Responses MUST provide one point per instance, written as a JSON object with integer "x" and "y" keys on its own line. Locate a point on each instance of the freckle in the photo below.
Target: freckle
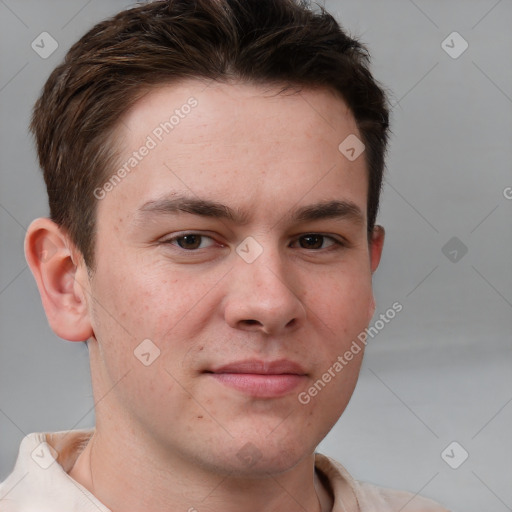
{"x": 201, "y": 348}
{"x": 200, "y": 417}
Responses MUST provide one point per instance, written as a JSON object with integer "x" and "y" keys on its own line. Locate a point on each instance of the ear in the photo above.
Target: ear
{"x": 376, "y": 245}
{"x": 61, "y": 277}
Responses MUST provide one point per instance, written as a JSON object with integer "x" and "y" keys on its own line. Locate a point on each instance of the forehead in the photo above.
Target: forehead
{"x": 237, "y": 108}
{"x": 242, "y": 143}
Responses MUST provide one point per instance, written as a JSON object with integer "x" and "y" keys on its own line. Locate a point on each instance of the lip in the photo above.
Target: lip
{"x": 256, "y": 366}
{"x": 262, "y": 379}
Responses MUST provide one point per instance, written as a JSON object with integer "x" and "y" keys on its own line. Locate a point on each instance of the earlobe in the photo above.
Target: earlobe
{"x": 376, "y": 245}
{"x": 61, "y": 280}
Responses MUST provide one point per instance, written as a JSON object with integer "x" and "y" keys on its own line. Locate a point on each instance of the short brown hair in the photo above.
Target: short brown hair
{"x": 257, "y": 41}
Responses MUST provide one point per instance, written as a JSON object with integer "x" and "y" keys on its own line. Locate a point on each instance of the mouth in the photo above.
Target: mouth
{"x": 261, "y": 379}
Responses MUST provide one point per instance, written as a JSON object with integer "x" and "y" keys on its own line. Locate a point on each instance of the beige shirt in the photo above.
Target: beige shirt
{"x": 40, "y": 482}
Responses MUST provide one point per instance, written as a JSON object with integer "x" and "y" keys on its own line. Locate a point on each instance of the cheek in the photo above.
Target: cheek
{"x": 343, "y": 303}
{"x": 342, "y": 308}
{"x": 169, "y": 308}
{"x": 137, "y": 300}
{"x": 128, "y": 312}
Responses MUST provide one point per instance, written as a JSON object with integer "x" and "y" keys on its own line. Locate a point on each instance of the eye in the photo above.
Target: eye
{"x": 189, "y": 241}
{"x": 316, "y": 240}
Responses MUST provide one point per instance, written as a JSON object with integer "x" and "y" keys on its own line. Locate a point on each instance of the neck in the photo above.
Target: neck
{"x": 125, "y": 474}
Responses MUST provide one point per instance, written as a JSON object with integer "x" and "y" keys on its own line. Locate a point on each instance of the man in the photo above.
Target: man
{"x": 213, "y": 171}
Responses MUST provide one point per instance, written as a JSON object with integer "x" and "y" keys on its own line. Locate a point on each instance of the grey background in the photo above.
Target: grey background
{"x": 441, "y": 370}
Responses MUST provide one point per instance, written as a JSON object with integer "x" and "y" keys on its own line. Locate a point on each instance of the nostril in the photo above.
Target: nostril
{"x": 251, "y": 322}
{"x": 291, "y": 322}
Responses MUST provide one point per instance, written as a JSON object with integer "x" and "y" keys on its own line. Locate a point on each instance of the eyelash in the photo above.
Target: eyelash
{"x": 336, "y": 245}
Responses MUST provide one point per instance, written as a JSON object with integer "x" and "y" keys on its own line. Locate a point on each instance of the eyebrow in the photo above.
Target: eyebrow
{"x": 331, "y": 209}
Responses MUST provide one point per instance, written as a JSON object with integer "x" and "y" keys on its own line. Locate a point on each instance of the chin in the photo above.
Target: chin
{"x": 283, "y": 462}
{"x": 261, "y": 457}
{"x": 256, "y": 458}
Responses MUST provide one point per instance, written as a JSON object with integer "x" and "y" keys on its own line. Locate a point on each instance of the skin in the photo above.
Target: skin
{"x": 169, "y": 433}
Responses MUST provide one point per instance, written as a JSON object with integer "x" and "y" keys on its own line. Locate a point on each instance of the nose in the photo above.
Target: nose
{"x": 264, "y": 296}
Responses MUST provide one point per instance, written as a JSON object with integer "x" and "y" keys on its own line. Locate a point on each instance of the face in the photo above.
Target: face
{"x": 237, "y": 244}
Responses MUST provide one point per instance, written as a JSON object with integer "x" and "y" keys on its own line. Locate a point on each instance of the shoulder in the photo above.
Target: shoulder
{"x": 396, "y": 500}
{"x": 39, "y": 481}
{"x": 368, "y": 497}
